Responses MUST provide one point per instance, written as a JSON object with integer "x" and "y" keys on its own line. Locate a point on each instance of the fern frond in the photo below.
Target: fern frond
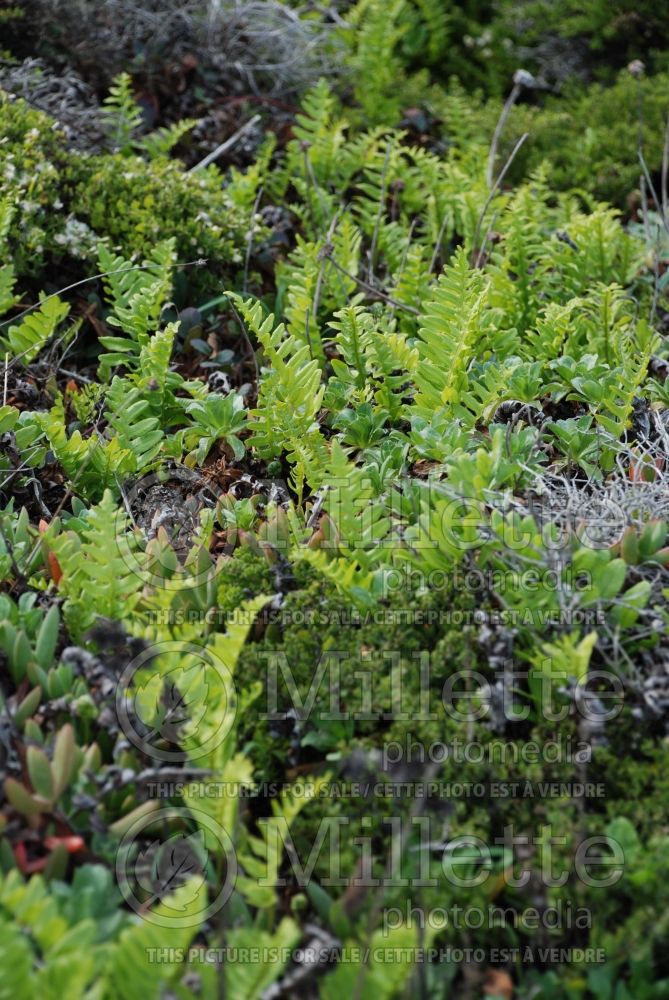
{"x": 449, "y": 328}
{"x": 92, "y": 464}
{"x": 26, "y": 340}
{"x": 122, "y": 113}
{"x": 7, "y": 273}
{"x": 101, "y": 567}
{"x": 344, "y": 573}
{"x": 160, "y": 143}
{"x": 137, "y": 298}
{"x": 129, "y": 416}
{"x": 261, "y": 855}
{"x": 173, "y": 923}
{"x": 290, "y": 393}
{"x": 317, "y": 128}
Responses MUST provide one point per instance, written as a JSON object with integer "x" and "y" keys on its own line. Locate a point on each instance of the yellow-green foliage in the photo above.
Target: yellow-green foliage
{"x": 69, "y": 201}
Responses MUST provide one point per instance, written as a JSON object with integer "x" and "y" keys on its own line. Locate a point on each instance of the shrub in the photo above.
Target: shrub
{"x": 71, "y": 201}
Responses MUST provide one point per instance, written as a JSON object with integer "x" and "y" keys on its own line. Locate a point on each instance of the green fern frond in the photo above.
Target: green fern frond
{"x": 290, "y": 393}
{"x": 122, "y": 113}
{"x": 449, "y": 329}
{"x": 160, "y": 143}
{"x": 137, "y": 298}
{"x": 101, "y": 567}
{"x": 129, "y": 416}
{"x": 91, "y": 464}
{"x": 261, "y": 855}
{"x": 26, "y": 340}
{"x": 173, "y": 923}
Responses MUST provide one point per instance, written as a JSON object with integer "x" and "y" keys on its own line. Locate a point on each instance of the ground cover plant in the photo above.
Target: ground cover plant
{"x": 334, "y": 501}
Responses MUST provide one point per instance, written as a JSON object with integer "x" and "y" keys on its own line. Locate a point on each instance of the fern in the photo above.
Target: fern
{"x": 26, "y": 340}
{"x": 131, "y": 972}
{"x": 489, "y": 386}
{"x": 290, "y": 392}
{"x": 160, "y": 143}
{"x": 521, "y": 262}
{"x": 7, "y": 282}
{"x": 137, "y": 298}
{"x": 376, "y": 362}
{"x": 136, "y": 430}
{"x": 432, "y": 35}
{"x": 606, "y": 253}
{"x": 243, "y": 185}
{"x": 552, "y": 329}
{"x": 156, "y": 381}
{"x": 91, "y": 464}
{"x": 411, "y": 285}
{"x": 122, "y": 114}
{"x": 260, "y": 855}
{"x": 376, "y": 31}
{"x": 301, "y": 276}
{"x": 7, "y": 273}
{"x": 358, "y": 520}
{"x": 449, "y": 328}
{"x": 374, "y": 978}
{"x": 358, "y": 584}
{"x": 101, "y": 567}
{"x": 16, "y": 957}
{"x": 252, "y": 979}
{"x": 354, "y": 331}
{"x": 41, "y": 954}
{"x": 615, "y": 408}
{"x": 45, "y": 954}
{"x": 318, "y": 134}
